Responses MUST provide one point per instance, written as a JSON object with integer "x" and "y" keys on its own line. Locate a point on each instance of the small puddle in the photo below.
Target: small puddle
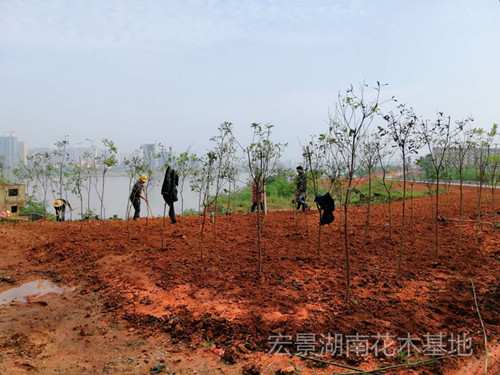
{"x": 32, "y": 289}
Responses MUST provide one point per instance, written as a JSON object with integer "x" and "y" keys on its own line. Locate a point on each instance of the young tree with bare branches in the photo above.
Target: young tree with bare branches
{"x": 62, "y": 156}
{"x": 206, "y": 175}
{"x": 493, "y": 176}
{"x": 185, "y": 165}
{"x": 354, "y": 114}
{"x": 263, "y": 155}
{"x": 437, "y": 135}
{"x": 76, "y": 180}
{"x": 314, "y": 159}
{"x": 385, "y": 154}
{"x": 369, "y": 161}
{"x": 223, "y": 150}
{"x": 401, "y": 126}
{"x": 461, "y": 146}
{"x": 484, "y": 140}
{"x": 107, "y": 159}
{"x": 43, "y": 170}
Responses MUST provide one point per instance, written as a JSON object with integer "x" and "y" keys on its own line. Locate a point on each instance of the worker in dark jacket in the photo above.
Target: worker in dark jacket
{"x": 326, "y": 206}
{"x": 60, "y": 208}
{"x": 136, "y": 195}
{"x": 300, "y": 189}
{"x": 169, "y": 191}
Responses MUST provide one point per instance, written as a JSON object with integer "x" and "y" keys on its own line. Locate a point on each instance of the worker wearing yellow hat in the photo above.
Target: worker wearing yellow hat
{"x": 136, "y": 195}
{"x": 60, "y": 208}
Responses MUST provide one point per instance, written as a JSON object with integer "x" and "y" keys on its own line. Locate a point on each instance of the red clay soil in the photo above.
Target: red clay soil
{"x": 220, "y": 301}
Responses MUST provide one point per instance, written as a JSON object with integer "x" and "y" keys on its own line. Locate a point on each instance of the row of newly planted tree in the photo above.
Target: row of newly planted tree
{"x": 53, "y": 173}
{"x": 367, "y": 136}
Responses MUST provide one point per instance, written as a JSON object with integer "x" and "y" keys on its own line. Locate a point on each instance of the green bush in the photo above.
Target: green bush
{"x": 35, "y": 208}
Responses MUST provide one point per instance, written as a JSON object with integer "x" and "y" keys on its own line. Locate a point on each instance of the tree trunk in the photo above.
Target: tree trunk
{"x": 163, "y": 226}
{"x": 478, "y": 214}
{"x": 403, "y": 219}
{"x": 205, "y": 207}
{"x": 81, "y": 203}
{"x": 89, "y": 187}
{"x": 346, "y": 247}
{"x": 228, "y": 208}
{"x": 493, "y": 187}
{"x": 182, "y": 196}
{"x": 390, "y": 216}
{"x": 461, "y": 193}
{"x": 412, "y": 207}
{"x": 202, "y": 231}
{"x": 259, "y": 242}
{"x": 436, "y": 218}
{"x": 319, "y": 239}
{"x": 368, "y": 207}
{"x": 102, "y": 195}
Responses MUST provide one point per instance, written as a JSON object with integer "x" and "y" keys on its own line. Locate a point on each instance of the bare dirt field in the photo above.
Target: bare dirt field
{"x": 130, "y": 306}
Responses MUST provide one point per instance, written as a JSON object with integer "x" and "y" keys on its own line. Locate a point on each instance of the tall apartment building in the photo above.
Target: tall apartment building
{"x": 12, "y": 152}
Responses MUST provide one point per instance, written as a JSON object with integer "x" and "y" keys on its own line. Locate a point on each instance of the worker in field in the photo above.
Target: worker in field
{"x": 301, "y": 189}
{"x": 136, "y": 195}
{"x": 60, "y": 208}
{"x": 326, "y": 206}
{"x": 169, "y": 191}
{"x": 257, "y": 195}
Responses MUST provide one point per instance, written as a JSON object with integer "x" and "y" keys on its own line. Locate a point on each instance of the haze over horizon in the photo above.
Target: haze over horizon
{"x": 171, "y": 72}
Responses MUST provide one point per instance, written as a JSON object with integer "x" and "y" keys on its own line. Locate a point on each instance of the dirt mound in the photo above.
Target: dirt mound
{"x": 210, "y": 292}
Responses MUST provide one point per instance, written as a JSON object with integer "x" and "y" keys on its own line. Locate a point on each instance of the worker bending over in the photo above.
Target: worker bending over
{"x": 60, "y": 208}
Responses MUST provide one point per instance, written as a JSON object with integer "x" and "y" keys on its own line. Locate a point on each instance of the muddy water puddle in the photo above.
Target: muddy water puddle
{"x": 32, "y": 289}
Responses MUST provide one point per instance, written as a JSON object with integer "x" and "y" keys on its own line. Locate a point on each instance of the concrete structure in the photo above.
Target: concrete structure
{"x": 12, "y": 198}
{"x": 12, "y": 152}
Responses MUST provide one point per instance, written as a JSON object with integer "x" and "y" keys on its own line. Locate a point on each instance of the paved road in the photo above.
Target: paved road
{"x": 446, "y": 182}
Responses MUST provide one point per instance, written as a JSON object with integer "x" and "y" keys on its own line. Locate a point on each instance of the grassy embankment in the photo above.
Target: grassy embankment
{"x": 280, "y": 193}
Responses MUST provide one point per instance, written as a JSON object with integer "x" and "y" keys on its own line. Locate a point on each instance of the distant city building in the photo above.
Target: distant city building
{"x": 12, "y": 152}
{"x": 151, "y": 155}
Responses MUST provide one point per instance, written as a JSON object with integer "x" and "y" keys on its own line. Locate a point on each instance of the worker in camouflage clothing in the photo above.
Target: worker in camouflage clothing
{"x": 300, "y": 189}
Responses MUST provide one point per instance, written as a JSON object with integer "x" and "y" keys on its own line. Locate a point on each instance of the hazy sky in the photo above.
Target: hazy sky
{"x": 171, "y": 71}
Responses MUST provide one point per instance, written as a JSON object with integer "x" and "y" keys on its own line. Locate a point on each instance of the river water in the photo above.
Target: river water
{"x": 116, "y": 193}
